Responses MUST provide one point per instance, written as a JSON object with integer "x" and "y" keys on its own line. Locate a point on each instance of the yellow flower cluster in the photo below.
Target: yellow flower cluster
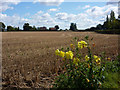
{"x": 82, "y": 44}
{"x": 87, "y": 58}
{"x": 62, "y": 54}
{"x": 97, "y": 59}
{"x": 68, "y": 55}
{"x": 76, "y": 61}
{"x": 57, "y": 52}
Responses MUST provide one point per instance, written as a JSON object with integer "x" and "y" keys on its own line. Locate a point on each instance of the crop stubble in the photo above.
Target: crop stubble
{"x": 28, "y": 58}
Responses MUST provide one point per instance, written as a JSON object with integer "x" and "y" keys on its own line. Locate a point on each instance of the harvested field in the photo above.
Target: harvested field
{"x": 28, "y": 58}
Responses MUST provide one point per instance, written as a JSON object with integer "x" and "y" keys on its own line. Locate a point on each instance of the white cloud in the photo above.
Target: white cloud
{"x": 96, "y": 11}
{"x": 61, "y": 16}
{"x": 4, "y": 5}
{"x": 53, "y": 10}
{"x": 82, "y": 20}
{"x": 14, "y": 20}
{"x": 39, "y": 12}
{"x": 10, "y": 1}
{"x": 91, "y": 17}
{"x": 86, "y": 6}
{"x": 43, "y": 19}
{"x": 50, "y": 2}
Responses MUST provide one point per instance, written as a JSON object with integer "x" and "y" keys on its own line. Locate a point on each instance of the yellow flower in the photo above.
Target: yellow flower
{"x": 57, "y": 52}
{"x": 69, "y": 55}
{"x": 97, "y": 59}
{"x": 88, "y": 80}
{"x": 98, "y": 63}
{"x": 62, "y": 54}
{"x": 76, "y": 61}
{"x": 108, "y": 59}
{"x": 82, "y": 44}
{"x": 87, "y": 58}
{"x": 71, "y": 45}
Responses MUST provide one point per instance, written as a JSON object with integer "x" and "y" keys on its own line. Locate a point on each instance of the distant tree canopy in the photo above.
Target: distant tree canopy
{"x": 26, "y": 27}
{"x": 57, "y": 27}
{"x": 2, "y": 26}
{"x": 73, "y": 27}
{"x": 110, "y": 23}
{"x": 10, "y": 28}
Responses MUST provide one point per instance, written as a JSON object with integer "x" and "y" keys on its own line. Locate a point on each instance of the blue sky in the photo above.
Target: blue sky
{"x": 32, "y": 8}
{"x": 84, "y": 14}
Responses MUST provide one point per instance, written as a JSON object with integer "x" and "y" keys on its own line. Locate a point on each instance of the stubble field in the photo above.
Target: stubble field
{"x": 28, "y": 58}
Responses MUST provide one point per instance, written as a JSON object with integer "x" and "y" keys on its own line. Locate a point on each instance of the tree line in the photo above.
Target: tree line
{"x": 110, "y": 25}
{"x": 28, "y": 27}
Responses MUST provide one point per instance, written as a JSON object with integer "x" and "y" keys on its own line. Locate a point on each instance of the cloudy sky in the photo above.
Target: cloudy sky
{"x": 85, "y": 13}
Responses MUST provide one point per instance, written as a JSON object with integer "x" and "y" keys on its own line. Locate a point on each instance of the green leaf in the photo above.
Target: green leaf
{"x": 86, "y": 37}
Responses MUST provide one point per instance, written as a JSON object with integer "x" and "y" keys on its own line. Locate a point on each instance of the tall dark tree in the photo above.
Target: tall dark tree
{"x": 107, "y": 23}
{"x": 34, "y": 28}
{"x": 26, "y": 27}
{"x": 112, "y": 16}
{"x": 119, "y": 17}
{"x": 10, "y": 28}
{"x": 18, "y": 28}
{"x": 73, "y": 27}
{"x": 2, "y": 26}
{"x": 57, "y": 27}
{"x": 112, "y": 20}
{"x": 99, "y": 27}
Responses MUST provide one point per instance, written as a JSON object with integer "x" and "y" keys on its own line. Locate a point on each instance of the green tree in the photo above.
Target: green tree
{"x": 57, "y": 27}
{"x": 2, "y": 26}
{"x": 99, "y": 27}
{"x": 26, "y": 27}
{"x": 73, "y": 27}
{"x": 112, "y": 20}
{"x": 112, "y": 16}
{"x": 18, "y": 28}
{"x": 34, "y": 28}
{"x": 10, "y": 28}
{"x": 107, "y": 23}
{"x": 118, "y": 16}
{"x": 111, "y": 23}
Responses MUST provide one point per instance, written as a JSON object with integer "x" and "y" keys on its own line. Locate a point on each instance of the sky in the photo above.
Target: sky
{"x": 85, "y": 13}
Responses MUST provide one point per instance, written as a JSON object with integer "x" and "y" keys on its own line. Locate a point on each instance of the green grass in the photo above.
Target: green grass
{"x": 112, "y": 80}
